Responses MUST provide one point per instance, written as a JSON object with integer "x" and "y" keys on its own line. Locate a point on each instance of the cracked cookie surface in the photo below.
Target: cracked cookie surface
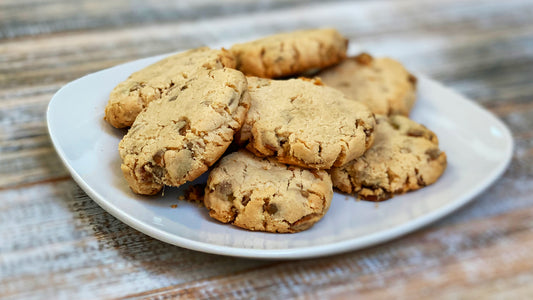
{"x": 290, "y": 53}
{"x": 303, "y": 123}
{"x": 131, "y": 96}
{"x": 383, "y": 84}
{"x": 262, "y": 194}
{"x": 176, "y": 138}
{"x": 405, "y": 156}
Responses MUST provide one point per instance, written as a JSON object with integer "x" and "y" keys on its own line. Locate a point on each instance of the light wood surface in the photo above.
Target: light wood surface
{"x": 55, "y": 242}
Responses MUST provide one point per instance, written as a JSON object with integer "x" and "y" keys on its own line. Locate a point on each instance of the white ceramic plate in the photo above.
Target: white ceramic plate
{"x": 478, "y": 146}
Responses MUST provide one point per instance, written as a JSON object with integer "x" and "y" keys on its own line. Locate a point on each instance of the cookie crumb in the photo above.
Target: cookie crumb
{"x": 364, "y": 59}
{"x": 195, "y": 193}
{"x": 174, "y": 206}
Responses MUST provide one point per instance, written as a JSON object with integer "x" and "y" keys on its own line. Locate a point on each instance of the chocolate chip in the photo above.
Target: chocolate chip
{"x": 233, "y": 216}
{"x": 303, "y": 223}
{"x": 412, "y": 79}
{"x": 224, "y": 188}
{"x": 234, "y": 98}
{"x": 245, "y": 200}
{"x": 420, "y": 181}
{"x": 158, "y": 157}
{"x": 184, "y": 125}
{"x": 433, "y": 153}
{"x": 414, "y": 132}
{"x": 271, "y": 208}
{"x": 315, "y": 173}
{"x": 135, "y": 87}
{"x": 391, "y": 175}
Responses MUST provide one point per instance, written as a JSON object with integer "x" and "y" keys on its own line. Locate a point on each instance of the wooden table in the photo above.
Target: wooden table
{"x": 55, "y": 242}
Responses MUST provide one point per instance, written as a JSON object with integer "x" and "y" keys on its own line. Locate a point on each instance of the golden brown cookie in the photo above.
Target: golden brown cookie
{"x": 303, "y": 123}
{"x": 265, "y": 195}
{"x": 131, "y": 96}
{"x": 176, "y": 138}
{"x": 405, "y": 157}
{"x": 383, "y": 84}
{"x": 290, "y": 53}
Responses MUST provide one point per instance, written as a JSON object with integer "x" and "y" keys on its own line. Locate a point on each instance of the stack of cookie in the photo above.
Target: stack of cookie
{"x": 293, "y": 139}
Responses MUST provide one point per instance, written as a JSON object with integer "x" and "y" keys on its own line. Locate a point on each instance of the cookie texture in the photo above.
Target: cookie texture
{"x": 383, "y": 84}
{"x": 405, "y": 157}
{"x": 265, "y": 195}
{"x": 291, "y": 53}
{"x": 303, "y": 123}
{"x": 131, "y": 96}
{"x": 176, "y": 138}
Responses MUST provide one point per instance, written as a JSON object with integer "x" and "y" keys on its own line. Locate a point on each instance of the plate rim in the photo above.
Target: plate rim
{"x": 351, "y": 244}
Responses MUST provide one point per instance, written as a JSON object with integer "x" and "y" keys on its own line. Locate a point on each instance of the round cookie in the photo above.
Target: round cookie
{"x": 303, "y": 123}
{"x": 290, "y": 53}
{"x": 131, "y": 96}
{"x": 176, "y": 138}
{"x": 383, "y": 84}
{"x": 405, "y": 157}
{"x": 262, "y": 194}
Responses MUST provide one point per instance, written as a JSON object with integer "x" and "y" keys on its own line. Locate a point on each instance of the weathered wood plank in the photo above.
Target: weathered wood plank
{"x": 452, "y": 259}
{"x": 17, "y": 19}
{"x": 56, "y": 242}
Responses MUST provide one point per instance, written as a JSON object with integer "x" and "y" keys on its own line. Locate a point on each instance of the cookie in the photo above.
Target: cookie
{"x": 383, "y": 84}
{"x": 303, "y": 123}
{"x": 405, "y": 157}
{"x": 176, "y": 138}
{"x": 131, "y": 96}
{"x": 265, "y": 195}
{"x": 291, "y": 53}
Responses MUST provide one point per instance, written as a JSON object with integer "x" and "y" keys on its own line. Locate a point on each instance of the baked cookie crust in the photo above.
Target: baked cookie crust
{"x": 176, "y": 138}
{"x": 265, "y": 195}
{"x": 290, "y": 53}
{"x": 303, "y": 123}
{"x": 383, "y": 84}
{"x": 131, "y": 96}
{"x": 405, "y": 157}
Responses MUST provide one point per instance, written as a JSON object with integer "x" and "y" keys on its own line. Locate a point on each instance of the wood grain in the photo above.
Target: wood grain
{"x": 55, "y": 242}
